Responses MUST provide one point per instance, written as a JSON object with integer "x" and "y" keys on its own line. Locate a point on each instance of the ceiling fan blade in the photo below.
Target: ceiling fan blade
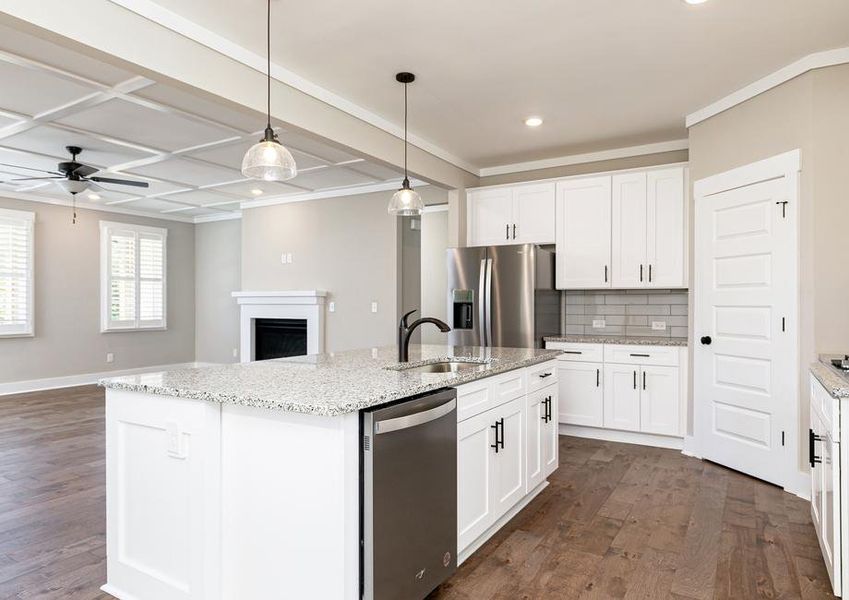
{"x": 84, "y": 171}
{"x": 142, "y": 184}
{"x": 33, "y": 178}
{"x": 29, "y": 169}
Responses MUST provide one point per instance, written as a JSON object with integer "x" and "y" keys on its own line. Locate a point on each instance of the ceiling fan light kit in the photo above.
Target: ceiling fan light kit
{"x": 406, "y": 202}
{"x": 269, "y": 160}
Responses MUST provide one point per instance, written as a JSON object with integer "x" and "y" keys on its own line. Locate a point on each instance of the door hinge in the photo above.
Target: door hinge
{"x": 782, "y": 438}
{"x": 783, "y": 204}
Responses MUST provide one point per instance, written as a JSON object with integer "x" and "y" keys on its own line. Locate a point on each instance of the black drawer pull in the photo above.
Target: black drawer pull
{"x": 544, "y": 375}
{"x": 642, "y": 355}
{"x": 572, "y": 352}
{"x": 597, "y": 377}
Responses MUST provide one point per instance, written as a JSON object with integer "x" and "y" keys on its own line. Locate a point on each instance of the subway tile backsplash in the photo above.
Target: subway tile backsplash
{"x": 625, "y": 312}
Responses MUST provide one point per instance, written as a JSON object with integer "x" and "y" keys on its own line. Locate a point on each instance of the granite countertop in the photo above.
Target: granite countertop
{"x": 835, "y": 380}
{"x": 327, "y": 384}
{"x": 618, "y": 339}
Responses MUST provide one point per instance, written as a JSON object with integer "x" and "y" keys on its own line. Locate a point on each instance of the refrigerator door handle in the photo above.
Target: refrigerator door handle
{"x": 488, "y": 300}
{"x": 481, "y": 301}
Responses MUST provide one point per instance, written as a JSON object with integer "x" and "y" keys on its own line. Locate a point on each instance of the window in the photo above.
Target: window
{"x": 132, "y": 268}
{"x": 16, "y": 272}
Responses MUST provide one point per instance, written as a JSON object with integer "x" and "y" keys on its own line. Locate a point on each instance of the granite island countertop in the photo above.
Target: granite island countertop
{"x": 617, "y": 339}
{"x": 327, "y": 384}
{"x": 834, "y": 380}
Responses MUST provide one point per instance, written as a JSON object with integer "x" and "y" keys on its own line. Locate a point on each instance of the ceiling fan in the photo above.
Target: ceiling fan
{"x": 74, "y": 177}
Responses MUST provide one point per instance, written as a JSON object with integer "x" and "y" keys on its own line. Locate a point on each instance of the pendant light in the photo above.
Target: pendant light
{"x": 269, "y": 160}
{"x": 406, "y": 202}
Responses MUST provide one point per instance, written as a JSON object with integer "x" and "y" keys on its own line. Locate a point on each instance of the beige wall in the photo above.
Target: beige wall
{"x": 67, "y": 337}
{"x": 218, "y": 252}
{"x": 434, "y": 272}
{"x": 809, "y": 113}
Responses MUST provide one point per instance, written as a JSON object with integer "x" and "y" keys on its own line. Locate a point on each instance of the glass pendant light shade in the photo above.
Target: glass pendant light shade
{"x": 269, "y": 160}
{"x": 406, "y": 202}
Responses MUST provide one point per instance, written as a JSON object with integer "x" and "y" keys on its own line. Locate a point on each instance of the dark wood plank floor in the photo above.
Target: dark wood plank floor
{"x": 617, "y": 521}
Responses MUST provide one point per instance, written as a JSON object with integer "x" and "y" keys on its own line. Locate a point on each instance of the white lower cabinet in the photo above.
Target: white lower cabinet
{"x": 660, "y": 400}
{"x": 621, "y": 397}
{"x": 504, "y": 452}
{"x": 581, "y": 393}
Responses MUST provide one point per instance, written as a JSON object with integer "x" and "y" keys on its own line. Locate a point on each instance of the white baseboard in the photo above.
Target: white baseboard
{"x": 800, "y": 485}
{"x": 113, "y": 591}
{"x": 690, "y": 448}
{"x": 52, "y": 383}
{"x": 626, "y": 437}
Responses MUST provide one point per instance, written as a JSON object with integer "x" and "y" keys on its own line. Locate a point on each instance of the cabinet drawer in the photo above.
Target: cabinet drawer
{"x": 482, "y": 395}
{"x": 578, "y": 352}
{"x": 667, "y": 356}
{"x": 540, "y": 376}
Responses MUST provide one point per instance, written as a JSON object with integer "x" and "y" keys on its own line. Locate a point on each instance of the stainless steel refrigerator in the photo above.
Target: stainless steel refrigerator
{"x": 502, "y": 296}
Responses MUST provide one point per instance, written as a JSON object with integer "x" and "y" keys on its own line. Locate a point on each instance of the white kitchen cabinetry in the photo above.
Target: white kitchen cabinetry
{"x": 505, "y": 451}
{"x": 628, "y": 262}
{"x": 609, "y": 388}
{"x": 583, "y": 233}
{"x": 521, "y": 214}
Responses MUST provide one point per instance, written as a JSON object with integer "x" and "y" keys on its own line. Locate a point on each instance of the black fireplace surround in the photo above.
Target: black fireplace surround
{"x": 277, "y": 338}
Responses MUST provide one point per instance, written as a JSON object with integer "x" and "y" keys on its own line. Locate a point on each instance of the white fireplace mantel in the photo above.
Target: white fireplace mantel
{"x": 299, "y": 304}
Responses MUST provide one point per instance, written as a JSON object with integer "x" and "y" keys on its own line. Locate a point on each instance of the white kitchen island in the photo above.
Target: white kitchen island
{"x": 242, "y": 481}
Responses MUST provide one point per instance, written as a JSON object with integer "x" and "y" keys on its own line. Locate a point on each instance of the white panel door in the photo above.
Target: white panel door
{"x": 580, "y": 400}
{"x": 509, "y": 473}
{"x": 622, "y": 397}
{"x": 490, "y": 217}
{"x": 660, "y": 400}
{"x": 665, "y": 228}
{"x": 475, "y": 455}
{"x": 583, "y": 233}
{"x": 533, "y": 214}
{"x": 629, "y": 266}
{"x": 550, "y": 436}
{"x": 745, "y": 310}
{"x": 536, "y": 411}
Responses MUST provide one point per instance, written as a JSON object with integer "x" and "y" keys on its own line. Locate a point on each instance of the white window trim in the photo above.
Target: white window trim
{"x": 27, "y": 330}
{"x": 107, "y": 326}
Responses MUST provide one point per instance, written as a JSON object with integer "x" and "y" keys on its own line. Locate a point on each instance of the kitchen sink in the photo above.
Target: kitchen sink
{"x": 449, "y": 366}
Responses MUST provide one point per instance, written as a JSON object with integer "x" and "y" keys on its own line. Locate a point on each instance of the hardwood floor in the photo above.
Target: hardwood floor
{"x": 617, "y": 521}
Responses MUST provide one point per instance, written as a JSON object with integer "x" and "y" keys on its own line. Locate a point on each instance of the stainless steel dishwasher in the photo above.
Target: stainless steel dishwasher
{"x": 409, "y": 496}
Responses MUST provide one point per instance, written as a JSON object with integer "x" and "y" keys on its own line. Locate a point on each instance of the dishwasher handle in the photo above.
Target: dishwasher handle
{"x": 415, "y": 419}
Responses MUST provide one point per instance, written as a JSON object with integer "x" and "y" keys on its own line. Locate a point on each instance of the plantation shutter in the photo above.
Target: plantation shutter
{"x": 134, "y": 284}
{"x": 16, "y": 272}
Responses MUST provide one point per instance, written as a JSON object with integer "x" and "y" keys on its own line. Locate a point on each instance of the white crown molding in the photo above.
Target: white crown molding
{"x": 231, "y": 216}
{"x": 188, "y": 29}
{"x": 31, "y": 197}
{"x": 577, "y": 159}
{"x": 818, "y": 60}
{"x": 435, "y": 208}
{"x": 330, "y": 193}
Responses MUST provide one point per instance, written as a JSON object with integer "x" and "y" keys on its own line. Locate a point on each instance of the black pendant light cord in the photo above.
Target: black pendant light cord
{"x": 406, "y": 179}
{"x": 268, "y": 61}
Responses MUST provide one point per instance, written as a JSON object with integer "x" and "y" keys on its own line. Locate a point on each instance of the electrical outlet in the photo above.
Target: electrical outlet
{"x": 599, "y": 324}
{"x": 235, "y": 353}
{"x": 289, "y": 258}
{"x": 374, "y": 307}
{"x": 110, "y": 358}
{"x": 658, "y": 325}
{"x": 283, "y": 259}
{"x": 331, "y": 307}
{"x": 374, "y": 352}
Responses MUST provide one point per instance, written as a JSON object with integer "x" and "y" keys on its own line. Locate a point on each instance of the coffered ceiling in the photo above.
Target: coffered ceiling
{"x": 188, "y": 148}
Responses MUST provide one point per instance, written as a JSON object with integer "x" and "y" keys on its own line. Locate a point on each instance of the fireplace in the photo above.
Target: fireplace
{"x": 278, "y": 338}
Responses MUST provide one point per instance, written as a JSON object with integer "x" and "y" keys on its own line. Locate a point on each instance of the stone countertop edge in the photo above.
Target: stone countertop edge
{"x": 309, "y": 402}
{"x": 614, "y": 339}
{"x": 835, "y": 382}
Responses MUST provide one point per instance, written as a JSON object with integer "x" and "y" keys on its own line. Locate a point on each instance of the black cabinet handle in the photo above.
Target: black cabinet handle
{"x": 635, "y": 380}
{"x": 572, "y": 352}
{"x": 813, "y": 459}
{"x": 649, "y": 273}
{"x": 641, "y": 272}
{"x": 641, "y": 355}
{"x": 597, "y": 377}
{"x": 514, "y": 231}
{"x": 544, "y": 375}
{"x": 706, "y": 340}
{"x": 495, "y": 445}
{"x": 644, "y": 380}
{"x": 507, "y": 232}
{"x": 605, "y": 273}
{"x": 501, "y": 422}
{"x": 546, "y": 415}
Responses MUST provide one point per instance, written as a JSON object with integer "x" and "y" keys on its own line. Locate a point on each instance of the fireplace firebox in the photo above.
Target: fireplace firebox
{"x": 278, "y": 338}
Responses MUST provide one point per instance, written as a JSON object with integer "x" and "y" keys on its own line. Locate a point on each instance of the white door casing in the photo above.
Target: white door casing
{"x": 746, "y": 289}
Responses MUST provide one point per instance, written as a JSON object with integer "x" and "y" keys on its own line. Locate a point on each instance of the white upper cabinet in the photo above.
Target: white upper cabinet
{"x": 522, "y": 214}
{"x": 629, "y": 265}
{"x": 583, "y": 233}
{"x": 665, "y": 228}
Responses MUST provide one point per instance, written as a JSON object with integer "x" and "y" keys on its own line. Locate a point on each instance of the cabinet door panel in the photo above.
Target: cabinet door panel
{"x": 474, "y": 477}
{"x": 509, "y": 477}
{"x": 550, "y": 436}
{"x": 580, "y": 399}
{"x": 583, "y": 233}
{"x": 665, "y": 227}
{"x": 533, "y": 214}
{"x": 536, "y": 407}
{"x": 621, "y": 397}
{"x": 490, "y": 216}
{"x": 629, "y": 266}
{"x": 659, "y": 400}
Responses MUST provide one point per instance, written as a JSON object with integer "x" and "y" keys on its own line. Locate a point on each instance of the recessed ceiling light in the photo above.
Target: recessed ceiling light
{"x": 533, "y": 121}
{"x": 256, "y": 192}
{"x": 94, "y": 197}
{"x": 695, "y": 1}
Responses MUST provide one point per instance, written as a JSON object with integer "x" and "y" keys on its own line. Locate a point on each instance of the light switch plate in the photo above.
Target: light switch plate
{"x": 331, "y": 306}
{"x": 110, "y": 357}
{"x": 235, "y": 353}
{"x": 658, "y": 325}
{"x": 599, "y": 324}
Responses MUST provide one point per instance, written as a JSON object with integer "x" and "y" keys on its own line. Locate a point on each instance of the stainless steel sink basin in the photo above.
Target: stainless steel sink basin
{"x": 450, "y": 366}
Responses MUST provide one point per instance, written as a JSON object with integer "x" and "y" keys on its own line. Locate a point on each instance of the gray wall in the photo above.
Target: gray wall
{"x": 67, "y": 301}
{"x": 347, "y": 246}
{"x": 434, "y": 273}
{"x": 626, "y": 312}
{"x": 218, "y": 252}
